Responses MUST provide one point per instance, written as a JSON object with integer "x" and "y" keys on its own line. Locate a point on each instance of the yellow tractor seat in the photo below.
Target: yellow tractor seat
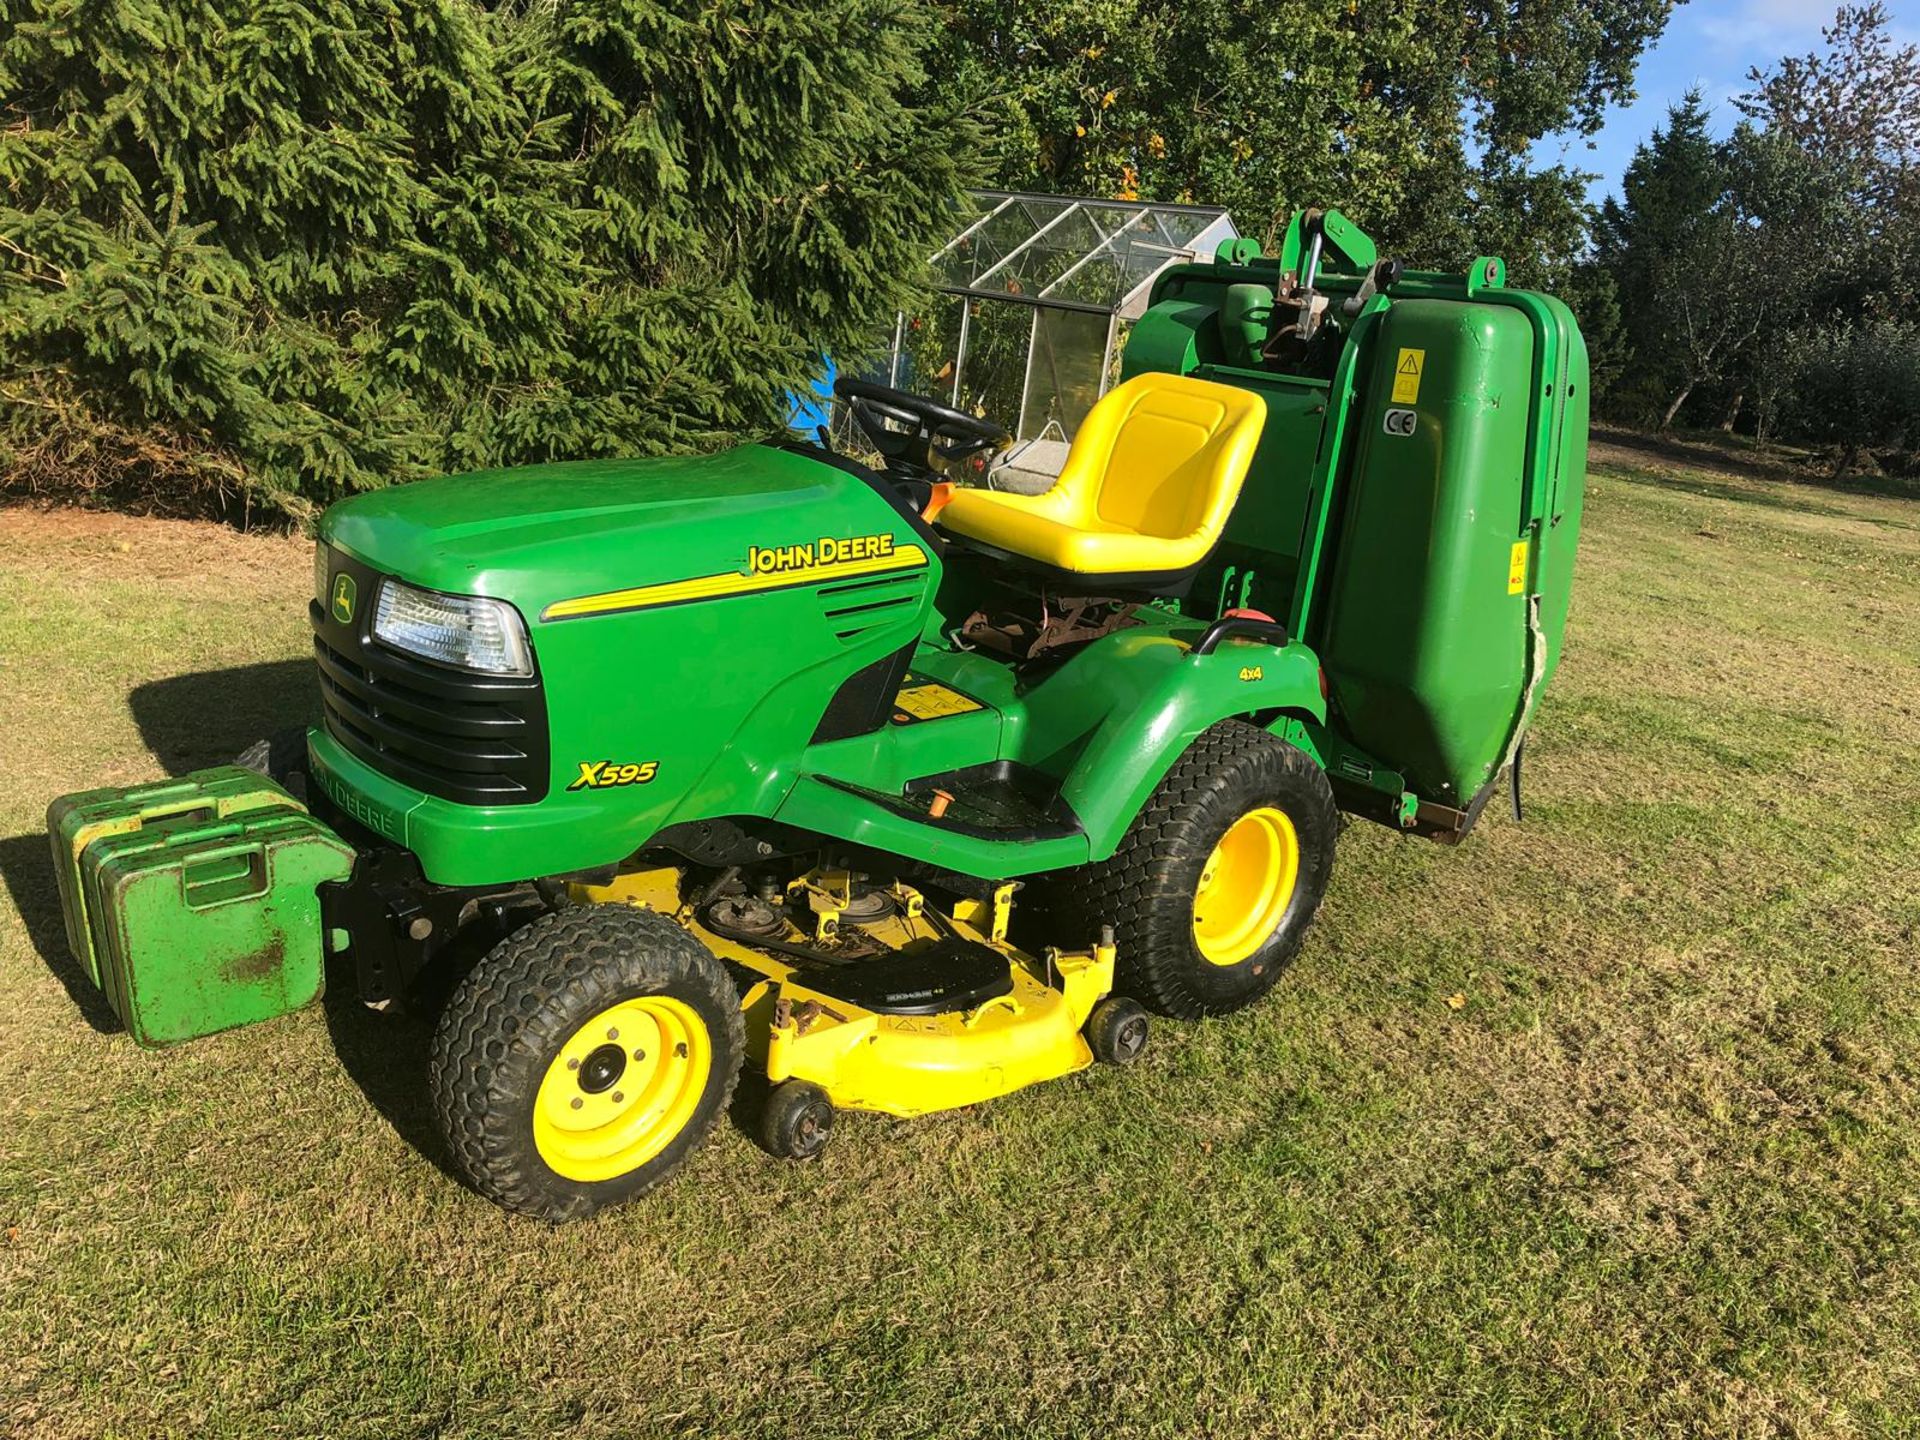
{"x": 1146, "y": 490}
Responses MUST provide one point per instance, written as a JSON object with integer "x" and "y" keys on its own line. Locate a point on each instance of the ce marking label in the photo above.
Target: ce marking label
{"x": 1400, "y": 422}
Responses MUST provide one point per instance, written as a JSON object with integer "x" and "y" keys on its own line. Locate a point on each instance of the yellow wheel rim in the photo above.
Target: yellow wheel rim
{"x": 624, "y": 1084}
{"x": 1246, "y": 886}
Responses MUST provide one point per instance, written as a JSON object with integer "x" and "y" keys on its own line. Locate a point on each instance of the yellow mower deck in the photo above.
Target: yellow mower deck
{"x": 899, "y": 1064}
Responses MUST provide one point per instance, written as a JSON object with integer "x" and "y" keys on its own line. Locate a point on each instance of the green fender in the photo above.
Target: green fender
{"x": 1161, "y": 696}
{"x": 1110, "y": 725}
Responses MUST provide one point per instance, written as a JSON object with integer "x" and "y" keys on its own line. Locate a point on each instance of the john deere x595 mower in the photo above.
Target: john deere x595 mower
{"x": 652, "y": 771}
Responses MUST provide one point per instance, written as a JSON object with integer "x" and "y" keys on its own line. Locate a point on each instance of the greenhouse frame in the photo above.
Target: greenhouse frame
{"x": 1035, "y": 296}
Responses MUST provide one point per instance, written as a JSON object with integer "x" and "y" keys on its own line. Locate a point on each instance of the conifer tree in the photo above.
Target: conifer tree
{"x": 285, "y": 249}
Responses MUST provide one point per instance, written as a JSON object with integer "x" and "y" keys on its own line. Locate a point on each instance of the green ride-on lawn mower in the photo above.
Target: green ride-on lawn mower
{"x": 642, "y": 772}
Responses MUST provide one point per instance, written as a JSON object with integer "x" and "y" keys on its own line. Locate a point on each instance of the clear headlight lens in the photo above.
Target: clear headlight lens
{"x": 466, "y": 631}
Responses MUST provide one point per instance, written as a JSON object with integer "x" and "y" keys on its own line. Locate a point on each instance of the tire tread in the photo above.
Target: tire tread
{"x": 586, "y": 957}
{"x": 1136, "y": 889}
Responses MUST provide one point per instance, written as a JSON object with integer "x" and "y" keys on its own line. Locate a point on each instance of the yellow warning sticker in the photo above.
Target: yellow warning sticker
{"x": 1517, "y": 568}
{"x": 930, "y": 700}
{"x": 1406, "y": 376}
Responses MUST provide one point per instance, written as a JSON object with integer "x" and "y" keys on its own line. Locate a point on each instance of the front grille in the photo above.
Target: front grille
{"x": 477, "y": 739}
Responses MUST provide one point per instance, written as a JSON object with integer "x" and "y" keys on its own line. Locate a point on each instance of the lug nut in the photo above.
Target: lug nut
{"x": 618, "y": 1097}
{"x": 573, "y": 1064}
{"x": 613, "y": 1034}
{"x": 639, "y": 1054}
{"x": 578, "y": 1102}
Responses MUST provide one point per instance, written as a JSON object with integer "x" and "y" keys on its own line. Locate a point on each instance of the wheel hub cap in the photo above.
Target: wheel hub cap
{"x": 623, "y": 1085}
{"x": 1246, "y": 886}
{"x": 600, "y": 1069}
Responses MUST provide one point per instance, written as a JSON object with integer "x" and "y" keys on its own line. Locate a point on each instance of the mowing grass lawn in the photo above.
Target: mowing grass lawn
{"x": 1602, "y": 1124}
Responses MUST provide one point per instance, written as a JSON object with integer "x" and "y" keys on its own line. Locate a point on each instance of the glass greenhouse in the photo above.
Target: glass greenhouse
{"x": 1035, "y": 295}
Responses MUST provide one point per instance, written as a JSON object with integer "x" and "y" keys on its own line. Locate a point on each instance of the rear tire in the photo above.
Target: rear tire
{"x": 584, "y": 1059}
{"x": 1183, "y": 958}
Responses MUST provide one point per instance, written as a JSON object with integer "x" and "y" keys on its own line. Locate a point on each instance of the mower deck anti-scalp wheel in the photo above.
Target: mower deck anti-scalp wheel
{"x": 1117, "y": 1030}
{"x": 583, "y": 1059}
{"x": 1214, "y": 885}
{"x": 796, "y": 1122}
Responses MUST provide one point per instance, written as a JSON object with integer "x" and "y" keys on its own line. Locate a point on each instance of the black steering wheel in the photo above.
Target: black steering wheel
{"x": 921, "y": 430}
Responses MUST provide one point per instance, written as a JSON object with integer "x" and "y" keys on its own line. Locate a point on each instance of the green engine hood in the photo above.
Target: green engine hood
{"x": 692, "y": 622}
{"x": 543, "y": 534}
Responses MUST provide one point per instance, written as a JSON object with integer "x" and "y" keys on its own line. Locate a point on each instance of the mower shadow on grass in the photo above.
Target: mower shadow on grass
{"x": 192, "y": 721}
{"x": 26, "y": 865}
{"x": 386, "y": 1057}
{"x": 189, "y": 722}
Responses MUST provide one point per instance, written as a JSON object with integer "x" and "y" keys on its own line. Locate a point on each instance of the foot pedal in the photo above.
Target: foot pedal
{"x": 999, "y": 800}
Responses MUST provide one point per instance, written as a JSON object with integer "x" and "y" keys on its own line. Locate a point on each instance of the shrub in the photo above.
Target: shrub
{"x": 1856, "y": 387}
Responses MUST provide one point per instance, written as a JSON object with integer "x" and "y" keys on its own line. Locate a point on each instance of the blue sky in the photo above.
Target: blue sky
{"x": 1712, "y": 44}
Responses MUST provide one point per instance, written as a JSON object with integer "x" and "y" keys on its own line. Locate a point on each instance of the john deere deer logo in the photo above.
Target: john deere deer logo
{"x": 342, "y": 602}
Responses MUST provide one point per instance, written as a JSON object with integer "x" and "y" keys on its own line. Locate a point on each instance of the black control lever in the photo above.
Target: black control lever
{"x": 1381, "y": 275}
{"x": 1242, "y": 627}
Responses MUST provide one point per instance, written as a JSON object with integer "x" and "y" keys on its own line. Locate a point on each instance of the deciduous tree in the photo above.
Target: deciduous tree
{"x": 1715, "y": 250}
{"x": 1854, "y": 109}
{"x": 1413, "y": 117}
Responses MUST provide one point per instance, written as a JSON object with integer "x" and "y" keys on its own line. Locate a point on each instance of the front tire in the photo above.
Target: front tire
{"x": 1216, "y": 881}
{"x": 584, "y": 1059}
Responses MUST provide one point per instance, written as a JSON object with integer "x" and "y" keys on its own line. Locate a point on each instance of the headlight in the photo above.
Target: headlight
{"x": 466, "y": 631}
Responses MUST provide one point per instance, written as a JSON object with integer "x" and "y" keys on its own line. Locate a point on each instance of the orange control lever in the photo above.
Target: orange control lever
{"x": 937, "y": 501}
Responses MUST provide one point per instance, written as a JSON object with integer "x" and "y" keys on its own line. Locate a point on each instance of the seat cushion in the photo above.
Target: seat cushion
{"x": 1003, "y": 522}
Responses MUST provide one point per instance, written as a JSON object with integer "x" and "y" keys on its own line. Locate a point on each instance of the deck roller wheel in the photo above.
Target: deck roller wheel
{"x": 1117, "y": 1030}
{"x": 796, "y": 1122}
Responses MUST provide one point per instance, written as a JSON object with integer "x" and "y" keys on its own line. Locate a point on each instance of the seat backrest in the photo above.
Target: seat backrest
{"x": 1164, "y": 454}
